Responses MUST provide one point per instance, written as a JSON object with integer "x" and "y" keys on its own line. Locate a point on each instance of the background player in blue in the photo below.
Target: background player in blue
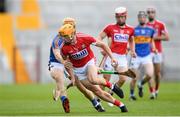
{"x": 56, "y": 68}
{"x": 143, "y": 38}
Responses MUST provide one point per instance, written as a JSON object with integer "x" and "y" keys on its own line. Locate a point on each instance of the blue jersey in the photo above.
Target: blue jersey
{"x": 143, "y": 37}
{"x": 56, "y": 44}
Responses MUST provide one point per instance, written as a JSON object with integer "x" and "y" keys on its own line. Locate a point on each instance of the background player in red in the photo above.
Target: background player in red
{"x": 119, "y": 35}
{"x": 77, "y": 50}
{"x": 161, "y": 35}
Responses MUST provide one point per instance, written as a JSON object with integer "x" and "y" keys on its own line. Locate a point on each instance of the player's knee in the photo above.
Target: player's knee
{"x": 92, "y": 81}
{"x": 98, "y": 93}
{"x": 57, "y": 77}
{"x": 59, "y": 80}
{"x": 83, "y": 89}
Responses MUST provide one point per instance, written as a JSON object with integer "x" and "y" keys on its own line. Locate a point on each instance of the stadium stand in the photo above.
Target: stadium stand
{"x": 37, "y": 21}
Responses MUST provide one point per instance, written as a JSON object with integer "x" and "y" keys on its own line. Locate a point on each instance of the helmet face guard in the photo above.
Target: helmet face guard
{"x": 142, "y": 17}
{"x": 121, "y": 14}
{"x": 142, "y": 14}
{"x": 69, "y": 37}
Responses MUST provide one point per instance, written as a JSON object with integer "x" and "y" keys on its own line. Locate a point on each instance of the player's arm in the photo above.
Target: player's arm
{"x": 132, "y": 46}
{"x": 71, "y": 74}
{"x": 57, "y": 55}
{"x": 102, "y": 35}
{"x": 69, "y": 68}
{"x": 56, "y": 49}
{"x": 153, "y": 43}
{"x": 164, "y": 34}
{"x": 106, "y": 49}
{"x": 163, "y": 37}
{"x": 65, "y": 62}
{"x": 153, "y": 46}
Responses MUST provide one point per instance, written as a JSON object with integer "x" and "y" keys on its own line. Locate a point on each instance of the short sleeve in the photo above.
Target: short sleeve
{"x": 64, "y": 51}
{"x": 163, "y": 28}
{"x": 55, "y": 42}
{"x": 107, "y": 30}
{"x": 90, "y": 40}
{"x": 131, "y": 34}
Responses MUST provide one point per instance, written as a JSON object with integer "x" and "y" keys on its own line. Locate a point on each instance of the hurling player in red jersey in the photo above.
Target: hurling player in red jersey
{"x": 57, "y": 69}
{"x": 77, "y": 49}
{"x": 119, "y": 36}
{"x": 161, "y": 35}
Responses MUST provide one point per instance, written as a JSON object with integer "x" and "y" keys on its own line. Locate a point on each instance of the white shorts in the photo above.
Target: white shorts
{"x": 81, "y": 72}
{"x": 55, "y": 65}
{"x": 122, "y": 62}
{"x": 136, "y": 62}
{"x": 156, "y": 58}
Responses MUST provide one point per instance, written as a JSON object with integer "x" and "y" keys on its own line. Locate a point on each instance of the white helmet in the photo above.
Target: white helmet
{"x": 121, "y": 11}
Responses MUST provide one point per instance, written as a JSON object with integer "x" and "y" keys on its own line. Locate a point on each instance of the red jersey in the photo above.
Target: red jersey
{"x": 119, "y": 36}
{"x": 79, "y": 53}
{"x": 160, "y": 28}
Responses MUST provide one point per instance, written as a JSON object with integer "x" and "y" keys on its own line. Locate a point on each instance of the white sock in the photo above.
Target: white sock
{"x": 121, "y": 105}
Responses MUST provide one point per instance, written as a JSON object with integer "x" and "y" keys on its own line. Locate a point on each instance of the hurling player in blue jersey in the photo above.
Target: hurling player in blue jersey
{"x": 56, "y": 68}
{"x": 143, "y": 37}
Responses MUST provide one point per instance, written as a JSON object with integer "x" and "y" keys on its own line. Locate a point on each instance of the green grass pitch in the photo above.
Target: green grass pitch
{"x": 37, "y": 100}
